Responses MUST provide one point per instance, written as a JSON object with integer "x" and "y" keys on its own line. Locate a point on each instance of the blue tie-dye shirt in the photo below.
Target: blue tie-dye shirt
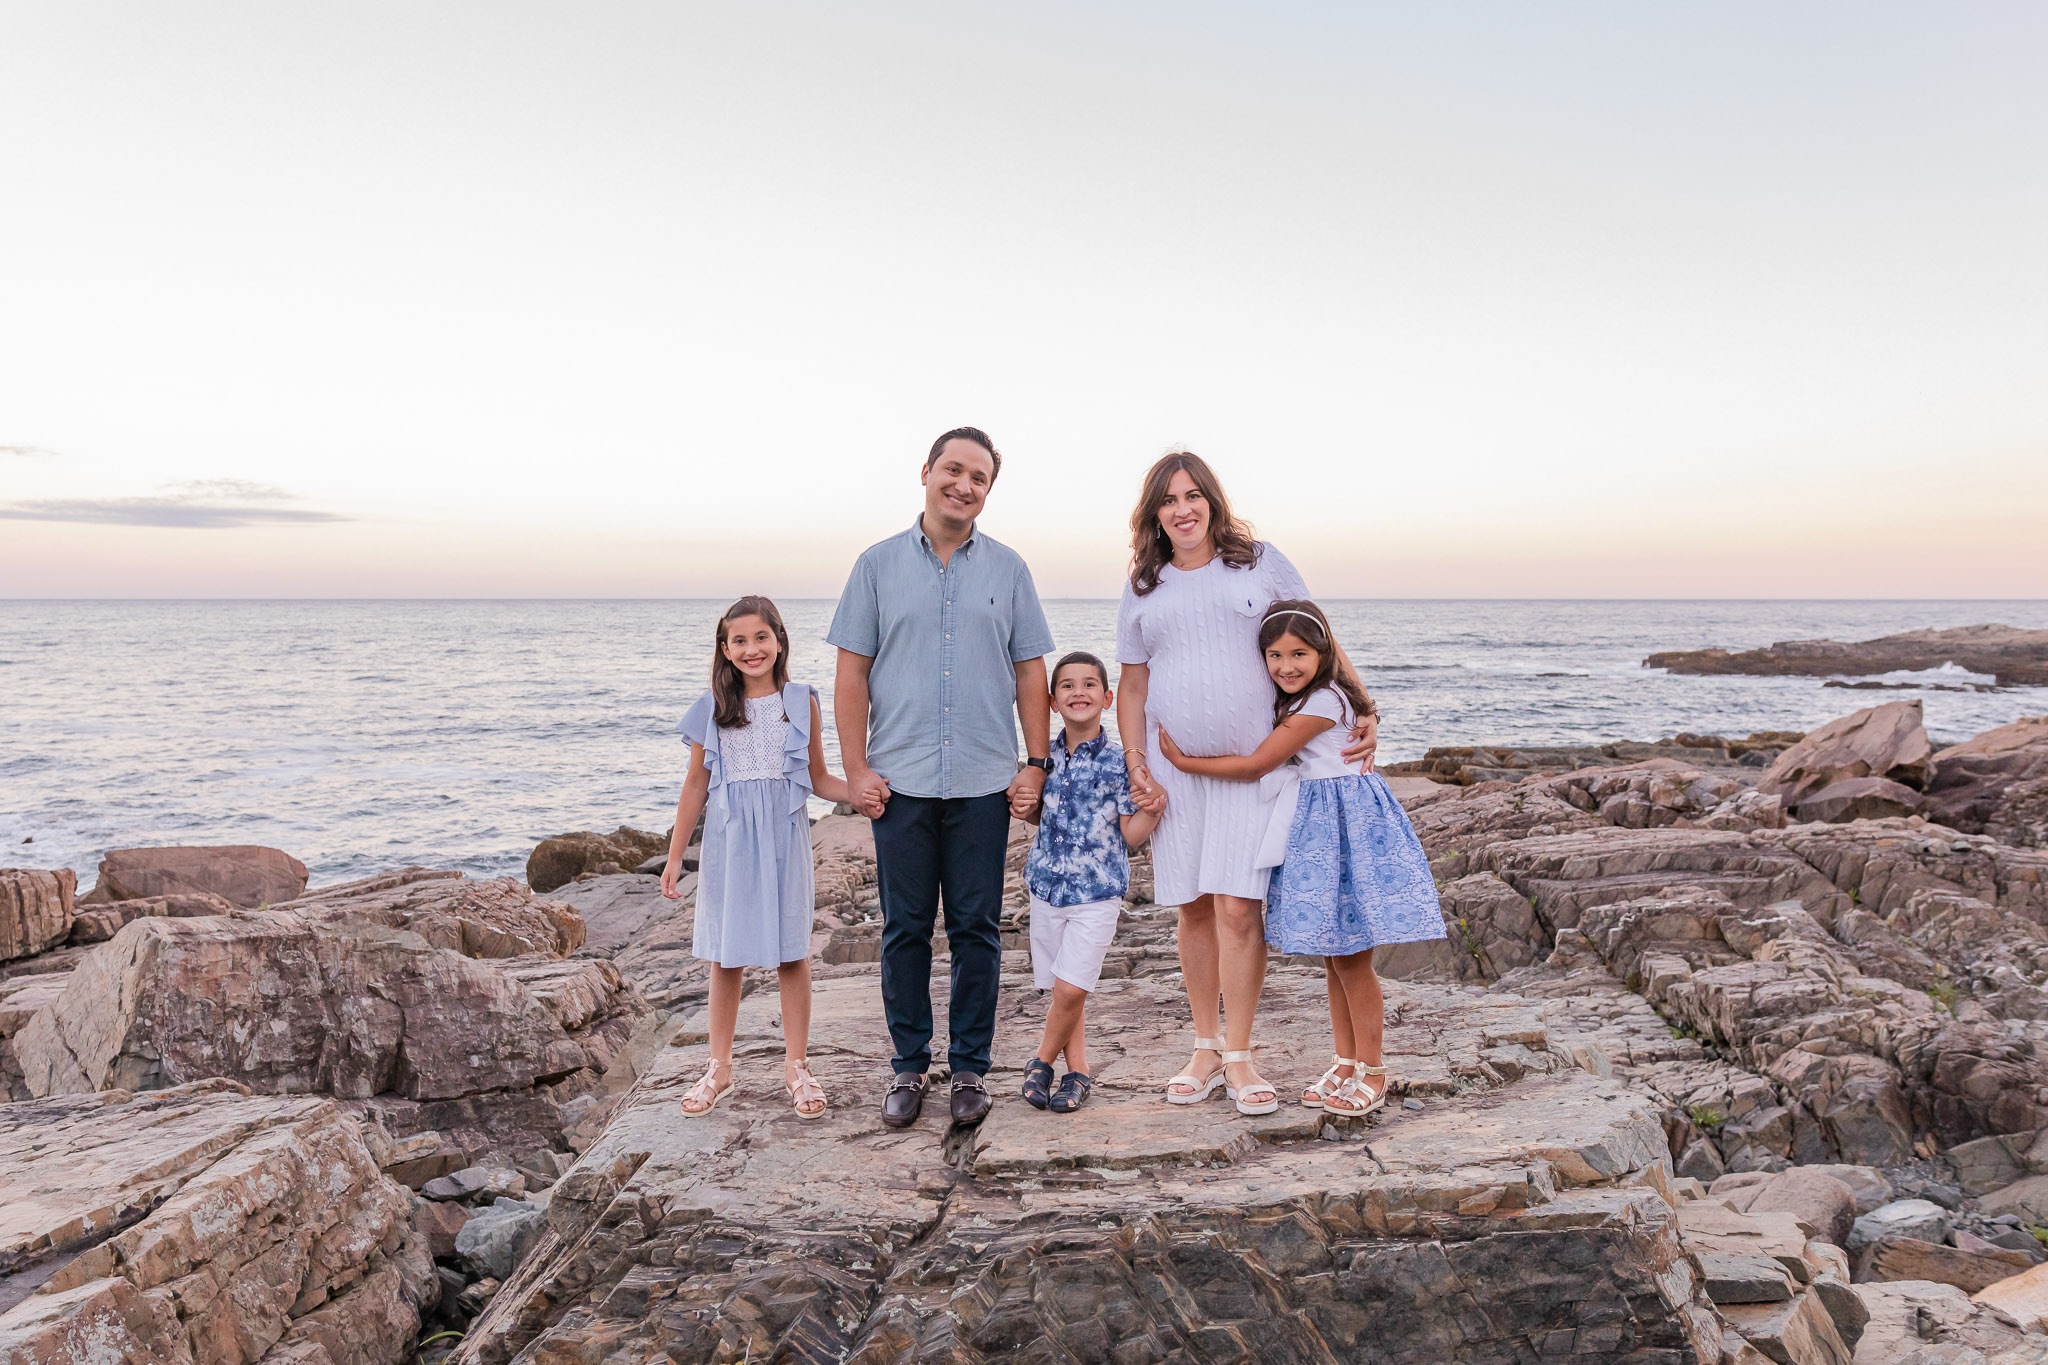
{"x": 1079, "y": 855}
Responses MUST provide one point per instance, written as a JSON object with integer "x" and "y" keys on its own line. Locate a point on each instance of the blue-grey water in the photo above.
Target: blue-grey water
{"x": 363, "y": 735}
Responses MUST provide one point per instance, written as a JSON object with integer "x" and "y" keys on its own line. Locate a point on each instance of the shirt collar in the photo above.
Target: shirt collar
{"x": 924, "y": 541}
{"x": 1086, "y": 748}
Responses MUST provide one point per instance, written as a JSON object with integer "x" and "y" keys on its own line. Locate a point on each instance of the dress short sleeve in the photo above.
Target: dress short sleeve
{"x": 1130, "y": 634}
{"x": 1282, "y": 578}
{"x": 697, "y": 722}
{"x": 857, "y": 624}
{"x": 1328, "y": 703}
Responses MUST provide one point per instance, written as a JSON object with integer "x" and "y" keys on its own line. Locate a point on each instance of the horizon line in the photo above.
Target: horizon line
{"x": 2025, "y": 601}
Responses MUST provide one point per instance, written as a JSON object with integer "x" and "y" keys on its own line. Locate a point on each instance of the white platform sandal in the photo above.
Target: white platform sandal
{"x": 1269, "y": 1104}
{"x": 1328, "y": 1084}
{"x": 1199, "y": 1087}
{"x": 1353, "y": 1100}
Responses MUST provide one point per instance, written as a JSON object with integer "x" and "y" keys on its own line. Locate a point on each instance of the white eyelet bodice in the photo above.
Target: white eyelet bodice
{"x": 754, "y": 751}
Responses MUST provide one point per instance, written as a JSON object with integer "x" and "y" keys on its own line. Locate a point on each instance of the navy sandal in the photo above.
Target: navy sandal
{"x": 1038, "y": 1083}
{"x": 1073, "y": 1092}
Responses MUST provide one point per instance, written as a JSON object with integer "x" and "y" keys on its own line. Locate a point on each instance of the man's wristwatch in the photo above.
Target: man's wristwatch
{"x": 1042, "y": 764}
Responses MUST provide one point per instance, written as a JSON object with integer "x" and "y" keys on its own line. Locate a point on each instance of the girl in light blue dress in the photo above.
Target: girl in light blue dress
{"x": 1349, "y": 874}
{"x": 757, "y": 754}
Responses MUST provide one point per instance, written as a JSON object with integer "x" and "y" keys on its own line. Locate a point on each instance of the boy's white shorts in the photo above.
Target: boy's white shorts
{"x": 1068, "y": 942}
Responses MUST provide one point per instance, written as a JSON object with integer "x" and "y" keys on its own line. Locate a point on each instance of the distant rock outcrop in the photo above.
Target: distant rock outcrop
{"x": 2015, "y": 657}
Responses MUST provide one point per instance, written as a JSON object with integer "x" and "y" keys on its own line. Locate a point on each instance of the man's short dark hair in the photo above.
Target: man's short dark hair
{"x": 1082, "y": 656}
{"x": 980, "y": 438}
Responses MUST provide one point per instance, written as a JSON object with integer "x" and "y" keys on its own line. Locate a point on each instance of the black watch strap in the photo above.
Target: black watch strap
{"x": 1045, "y": 763}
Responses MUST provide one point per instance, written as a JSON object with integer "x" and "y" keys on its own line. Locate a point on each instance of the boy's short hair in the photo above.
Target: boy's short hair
{"x": 1082, "y": 656}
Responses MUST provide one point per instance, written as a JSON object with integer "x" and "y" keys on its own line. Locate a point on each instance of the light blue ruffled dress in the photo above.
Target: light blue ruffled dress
{"x": 755, "y": 892}
{"x": 1351, "y": 874}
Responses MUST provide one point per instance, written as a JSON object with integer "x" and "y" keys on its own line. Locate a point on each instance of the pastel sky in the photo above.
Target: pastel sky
{"x": 1573, "y": 299}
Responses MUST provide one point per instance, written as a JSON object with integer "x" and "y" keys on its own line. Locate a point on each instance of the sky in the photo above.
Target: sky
{"x": 668, "y": 300}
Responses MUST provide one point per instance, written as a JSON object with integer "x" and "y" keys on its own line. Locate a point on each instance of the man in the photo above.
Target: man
{"x": 941, "y": 640}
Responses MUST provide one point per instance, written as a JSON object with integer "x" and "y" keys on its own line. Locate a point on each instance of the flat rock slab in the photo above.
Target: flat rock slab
{"x": 1492, "y": 1222}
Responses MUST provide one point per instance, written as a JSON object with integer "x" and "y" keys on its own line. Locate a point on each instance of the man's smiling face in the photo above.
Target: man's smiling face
{"x": 957, "y": 484}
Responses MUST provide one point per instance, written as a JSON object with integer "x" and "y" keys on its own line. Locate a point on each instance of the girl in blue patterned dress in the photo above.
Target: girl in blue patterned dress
{"x": 757, "y": 755}
{"x": 1351, "y": 876}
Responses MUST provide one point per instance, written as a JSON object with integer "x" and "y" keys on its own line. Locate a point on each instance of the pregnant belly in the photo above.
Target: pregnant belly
{"x": 1219, "y": 714}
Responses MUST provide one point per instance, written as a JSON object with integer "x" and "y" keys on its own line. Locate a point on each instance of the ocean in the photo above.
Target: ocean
{"x": 366, "y": 735}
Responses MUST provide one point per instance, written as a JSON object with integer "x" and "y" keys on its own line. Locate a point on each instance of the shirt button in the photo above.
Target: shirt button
{"x": 948, "y": 741}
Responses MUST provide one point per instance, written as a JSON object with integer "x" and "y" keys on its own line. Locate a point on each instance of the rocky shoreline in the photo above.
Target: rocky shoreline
{"x": 1737, "y": 1051}
{"x": 2014, "y": 657}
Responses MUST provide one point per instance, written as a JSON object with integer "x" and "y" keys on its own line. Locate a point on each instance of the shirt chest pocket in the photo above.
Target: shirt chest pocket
{"x": 1249, "y": 604}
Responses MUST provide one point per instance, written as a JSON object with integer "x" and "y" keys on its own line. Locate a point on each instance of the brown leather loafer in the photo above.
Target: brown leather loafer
{"x": 970, "y": 1098}
{"x": 904, "y": 1100}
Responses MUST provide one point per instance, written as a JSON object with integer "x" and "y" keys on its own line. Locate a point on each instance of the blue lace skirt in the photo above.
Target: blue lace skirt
{"x": 1355, "y": 875}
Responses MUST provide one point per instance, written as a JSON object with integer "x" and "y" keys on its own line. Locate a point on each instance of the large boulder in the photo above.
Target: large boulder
{"x": 1995, "y": 784}
{"x": 1887, "y": 741}
{"x": 562, "y": 859}
{"x": 203, "y": 1223}
{"x": 35, "y": 910}
{"x": 352, "y": 997}
{"x": 245, "y": 875}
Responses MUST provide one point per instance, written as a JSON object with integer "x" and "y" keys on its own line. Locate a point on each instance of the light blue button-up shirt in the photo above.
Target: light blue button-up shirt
{"x": 946, "y": 640}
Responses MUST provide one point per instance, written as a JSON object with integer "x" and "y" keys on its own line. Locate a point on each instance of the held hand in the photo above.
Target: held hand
{"x": 1365, "y": 742}
{"x": 1151, "y": 798}
{"x": 670, "y": 872}
{"x": 1025, "y": 789}
{"x": 869, "y": 791}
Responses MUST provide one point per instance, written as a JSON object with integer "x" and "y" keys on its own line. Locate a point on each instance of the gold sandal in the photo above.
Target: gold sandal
{"x": 1329, "y": 1083}
{"x": 707, "y": 1092}
{"x": 803, "y": 1089}
{"x": 1353, "y": 1100}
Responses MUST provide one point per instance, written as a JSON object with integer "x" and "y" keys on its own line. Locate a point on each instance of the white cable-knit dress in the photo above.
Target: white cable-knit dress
{"x": 1198, "y": 632}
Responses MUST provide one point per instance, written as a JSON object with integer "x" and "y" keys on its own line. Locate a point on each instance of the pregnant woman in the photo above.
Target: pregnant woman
{"x": 1188, "y": 643}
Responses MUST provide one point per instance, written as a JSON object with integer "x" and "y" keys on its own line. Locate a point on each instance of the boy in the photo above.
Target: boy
{"x": 1077, "y": 872}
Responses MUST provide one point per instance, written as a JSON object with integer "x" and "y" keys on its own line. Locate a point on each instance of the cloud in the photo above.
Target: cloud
{"x": 203, "y": 504}
{"x": 29, "y": 452}
{"x": 226, "y": 490}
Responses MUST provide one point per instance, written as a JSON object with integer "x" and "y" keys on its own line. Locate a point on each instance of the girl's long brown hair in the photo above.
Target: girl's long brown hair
{"x": 728, "y": 684}
{"x": 1305, "y": 621}
{"x": 1151, "y": 551}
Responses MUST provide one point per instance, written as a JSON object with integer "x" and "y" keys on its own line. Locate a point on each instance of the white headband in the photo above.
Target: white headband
{"x": 1293, "y": 611}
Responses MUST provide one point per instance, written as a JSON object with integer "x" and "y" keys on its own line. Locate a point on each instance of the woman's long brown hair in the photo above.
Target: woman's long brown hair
{"x": 728, "y": 684}
{"x": 1151, "y": 551}
{"x": 1305, "y": 621}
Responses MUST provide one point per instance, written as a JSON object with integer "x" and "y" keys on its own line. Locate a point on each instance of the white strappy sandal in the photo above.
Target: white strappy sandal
{"x": 1200, "y": 1087}
{"x": 707, "y": 1092}
{"x": 1328, "y": 1084}
{"x": 1353, "y": 1100}
{"x": 1251, "y": 1107}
